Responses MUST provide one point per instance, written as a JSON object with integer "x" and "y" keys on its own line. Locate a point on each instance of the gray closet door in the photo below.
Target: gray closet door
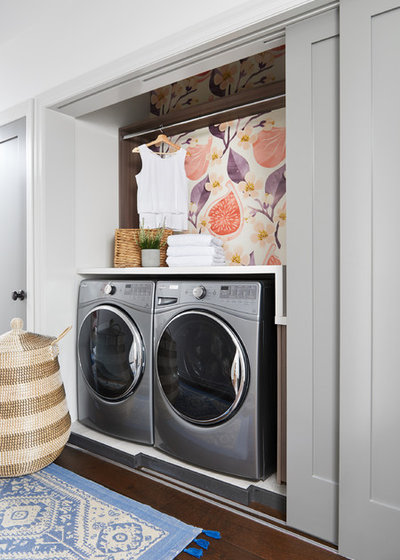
{"x": 12, "y": 222}
{"x": 370, "y": 271}
{"x": 312, "y": 82}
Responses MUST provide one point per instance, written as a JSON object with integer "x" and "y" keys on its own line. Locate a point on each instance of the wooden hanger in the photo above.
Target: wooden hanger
{"x": 160, "y": 138}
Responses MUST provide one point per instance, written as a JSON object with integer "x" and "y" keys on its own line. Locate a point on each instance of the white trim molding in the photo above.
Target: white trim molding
{"x": 245, "y": 30}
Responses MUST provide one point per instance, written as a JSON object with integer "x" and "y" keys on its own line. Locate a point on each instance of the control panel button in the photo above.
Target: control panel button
{"x": 199, "y": 292}
{"x": 109, "y": 289}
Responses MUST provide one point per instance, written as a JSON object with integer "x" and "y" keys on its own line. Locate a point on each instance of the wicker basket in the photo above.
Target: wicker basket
{"x": 127, "y": 252}
{"x": 34, "y": 418}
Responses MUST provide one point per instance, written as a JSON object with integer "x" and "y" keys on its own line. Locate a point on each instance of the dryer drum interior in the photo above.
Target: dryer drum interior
{"x": 111, "y": 352}
{"x": 202, "y": 367}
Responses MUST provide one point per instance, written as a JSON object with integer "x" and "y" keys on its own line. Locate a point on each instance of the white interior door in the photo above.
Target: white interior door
{"x": 12, "y": 222}
{"x": 369, "y": 503}
{"x": 312, "y": 82}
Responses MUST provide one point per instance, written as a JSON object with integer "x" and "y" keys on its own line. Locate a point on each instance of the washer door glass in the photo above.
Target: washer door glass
{"x": 111, "y": 352}
{"x": 201, "y": 367}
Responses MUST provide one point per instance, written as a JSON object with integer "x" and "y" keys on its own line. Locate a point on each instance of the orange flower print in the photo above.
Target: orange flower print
{"x": 250, "y": 186}
{"x": 160, "y": 96}
{"x": 226, "y": 76}
{"x": 248, "y": 218}
{"x": 247, "y": 67}
{"x": 215, "y": 184}
{"x": 196, "y": 160}
{"x": 177, "y": 89}
{"x": 223, "y": 126}
{"x": 265, "y": 58}
{"x": 189, "y": 83}
{"x": 246, "y": 137}
{"x": 280, "y": 215}
{"x": 268, "y": 198}
{"x": 273, "y": 260}
{"x": 236, "y": 257}
{"x": 192, "y": 207}
{"x": 203, "y": 223}
{"x": 215, "y": 156}
{"x": 270, "y": 258}
{"x": 268, "y": 124}
{"x": 263, "y": 233}
{"x": 225, "y": 215}
{"x": 270, "y": 147}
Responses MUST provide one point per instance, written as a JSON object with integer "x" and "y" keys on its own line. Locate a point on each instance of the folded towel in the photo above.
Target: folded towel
{"x": 193, "y": 251}
{"x": 195, "y": 261}
{"x": 202, "y": 239}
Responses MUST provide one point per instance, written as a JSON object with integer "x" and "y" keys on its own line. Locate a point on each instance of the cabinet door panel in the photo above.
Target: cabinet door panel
{"x": 313, "y": 274}
{"x": 370, "y": 307}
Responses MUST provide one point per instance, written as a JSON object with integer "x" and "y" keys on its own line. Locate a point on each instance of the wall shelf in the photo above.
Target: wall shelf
{"x": 201, "y": 272}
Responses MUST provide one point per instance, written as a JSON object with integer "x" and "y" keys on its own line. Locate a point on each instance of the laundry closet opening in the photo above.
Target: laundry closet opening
{"x": 231, "y": 121}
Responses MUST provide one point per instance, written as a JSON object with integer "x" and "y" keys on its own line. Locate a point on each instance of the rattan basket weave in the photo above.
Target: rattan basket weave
{"x": 127, "y": 252}
{"x": 34, "y": 418}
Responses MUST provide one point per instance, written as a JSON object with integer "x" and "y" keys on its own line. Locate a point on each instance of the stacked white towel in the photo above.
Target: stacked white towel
{"x": 194, "y": 250}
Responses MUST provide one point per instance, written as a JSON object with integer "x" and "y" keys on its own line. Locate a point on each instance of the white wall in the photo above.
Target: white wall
{"x": 48, "y": 42}
{"x": 56, "y": 278}
{"x": 96, "y": 194}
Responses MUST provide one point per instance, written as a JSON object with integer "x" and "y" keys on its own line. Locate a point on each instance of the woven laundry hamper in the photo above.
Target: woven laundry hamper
{"x": 34, "y": 419}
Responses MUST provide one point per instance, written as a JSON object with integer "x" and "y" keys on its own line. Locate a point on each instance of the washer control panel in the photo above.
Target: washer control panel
{"x": 139, "y": 294}
{"x": 109, "y": 289}
{"x": 239, "y": 291}
{"x": 199, "y": 292}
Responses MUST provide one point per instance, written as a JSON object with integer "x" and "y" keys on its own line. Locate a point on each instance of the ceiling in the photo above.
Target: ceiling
{"x": 16, "y": 16}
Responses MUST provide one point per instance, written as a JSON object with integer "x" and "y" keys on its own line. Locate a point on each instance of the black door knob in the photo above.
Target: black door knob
{"x": 18, "y": 294}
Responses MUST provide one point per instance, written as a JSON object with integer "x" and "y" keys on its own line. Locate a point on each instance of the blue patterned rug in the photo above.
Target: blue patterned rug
{"x": 55, "y": 514}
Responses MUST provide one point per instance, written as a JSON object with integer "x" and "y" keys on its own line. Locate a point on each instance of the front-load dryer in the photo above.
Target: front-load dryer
{"x": 114, "y": 358}
{"x": 215, "y": 374}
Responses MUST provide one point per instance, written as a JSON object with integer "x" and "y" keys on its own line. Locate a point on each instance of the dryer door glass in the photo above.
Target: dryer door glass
{"x": 201, "y": 367}
{"x": 111, "y": 352}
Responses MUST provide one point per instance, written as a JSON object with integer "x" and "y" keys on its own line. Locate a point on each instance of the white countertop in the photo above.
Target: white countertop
{"x": 200, "y": 270}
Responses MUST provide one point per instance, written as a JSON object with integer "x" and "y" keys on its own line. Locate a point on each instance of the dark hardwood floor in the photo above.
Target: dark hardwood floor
{"x": 243, "y": 537}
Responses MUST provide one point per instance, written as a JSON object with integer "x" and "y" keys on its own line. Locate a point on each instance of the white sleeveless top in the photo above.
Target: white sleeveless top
{"x": 162, "y": 196}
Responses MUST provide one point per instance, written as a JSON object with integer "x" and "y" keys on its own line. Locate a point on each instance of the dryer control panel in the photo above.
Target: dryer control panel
{"x": 240, "y": 296}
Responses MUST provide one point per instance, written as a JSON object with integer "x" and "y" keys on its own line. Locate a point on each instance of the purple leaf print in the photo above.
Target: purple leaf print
{"x": 252, "y": 261}
{"x": 238, "y": 166}
{"x": 215, "y": 131}
{"x": 276, "y": 184}
{"x": 200, "y": 195}
{"x": 216, "y": 90}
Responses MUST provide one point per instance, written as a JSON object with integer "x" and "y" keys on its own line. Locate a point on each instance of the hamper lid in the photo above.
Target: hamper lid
{"x": 19, "y": 340}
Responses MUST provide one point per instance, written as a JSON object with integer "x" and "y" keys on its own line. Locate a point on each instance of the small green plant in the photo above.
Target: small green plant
{"x": 151, "y": 239}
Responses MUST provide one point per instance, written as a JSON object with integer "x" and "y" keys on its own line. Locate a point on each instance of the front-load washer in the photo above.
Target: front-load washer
{"x": 114, "y": 358}
{"x": 215, "y": 374}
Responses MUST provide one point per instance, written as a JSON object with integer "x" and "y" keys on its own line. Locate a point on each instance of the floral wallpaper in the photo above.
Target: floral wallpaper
{"x": 237, "y": 184}
{"x": 251, "y": 72}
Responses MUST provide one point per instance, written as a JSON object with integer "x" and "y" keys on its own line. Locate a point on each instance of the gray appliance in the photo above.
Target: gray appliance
{"x": 114, "y": 355}
{"x": 215, "y": 374}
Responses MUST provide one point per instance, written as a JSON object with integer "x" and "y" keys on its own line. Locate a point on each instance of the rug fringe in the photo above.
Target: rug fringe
{"x": 203, "y": 543}
{"x": 196, "y": 552}
{"x": 212, "y": 534}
